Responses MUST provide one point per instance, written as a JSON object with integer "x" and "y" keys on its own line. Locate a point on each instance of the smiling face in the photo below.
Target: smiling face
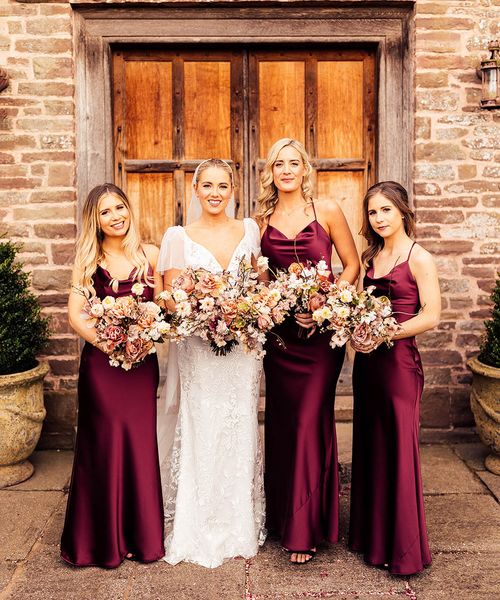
{"x": 214, "y": 190}
{"x": 113, "y": 216}
{"x": 385, "y": 218}
{"x": 288, "y": 170}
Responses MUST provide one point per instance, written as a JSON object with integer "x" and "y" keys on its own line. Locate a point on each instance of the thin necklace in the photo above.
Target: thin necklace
{"x": 289, "y": 212}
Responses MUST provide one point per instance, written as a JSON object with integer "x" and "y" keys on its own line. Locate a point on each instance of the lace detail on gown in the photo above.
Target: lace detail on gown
{"x": 212, "y": 479}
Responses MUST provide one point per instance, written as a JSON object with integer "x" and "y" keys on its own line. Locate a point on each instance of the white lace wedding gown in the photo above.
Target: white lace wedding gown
{"x": 212, "y": 471}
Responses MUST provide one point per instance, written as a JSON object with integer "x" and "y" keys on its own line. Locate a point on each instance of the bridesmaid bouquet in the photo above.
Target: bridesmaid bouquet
{"x": 306, "y": 285}
{"x": 127, "y": 327}
{"x": 225, "y": 309}
{"x": 359, "y": 317}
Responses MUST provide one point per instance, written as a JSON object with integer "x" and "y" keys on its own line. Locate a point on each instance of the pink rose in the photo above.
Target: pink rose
{"x": 362, "y": 339}
{"x": 316, "y": 301}
{"x": 264, "y": 322}
{"x": 135, "y": 349}
{"x": 185, "y": 282}
{"x": 115, "y": 334}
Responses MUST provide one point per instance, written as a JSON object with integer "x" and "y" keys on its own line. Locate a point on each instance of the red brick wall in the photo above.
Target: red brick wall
{"x": 457, "y": 185}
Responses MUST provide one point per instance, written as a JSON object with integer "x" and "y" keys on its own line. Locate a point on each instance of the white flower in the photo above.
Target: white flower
{"x": 207, "y": 303}
{"x": 345, "y": 295}
{"x": 322, "y": 314}
{"x": 342, "y": 311}
{"x": 179, "y": 296}
{"x": 262, "y": 263}
{"x": 97, "y": 310}
{"x": 184, "y": 309}
{"x": 368, "y": 317}
{"x": 108, "y": 303}
{"x": 138, "y": 289}
{"x": 386, "y": 310}
{"x": 164, "y": 328}
{"x": 165, "y": 295}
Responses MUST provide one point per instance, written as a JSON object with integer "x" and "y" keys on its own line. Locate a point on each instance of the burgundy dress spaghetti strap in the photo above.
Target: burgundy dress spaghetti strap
{"x": 115, "y": 503}
{"x": 301, "y": 468}
{"x": 387, "y": 509}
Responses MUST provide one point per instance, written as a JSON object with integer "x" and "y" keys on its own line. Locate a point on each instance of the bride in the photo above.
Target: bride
{"x": 208, "y": 438}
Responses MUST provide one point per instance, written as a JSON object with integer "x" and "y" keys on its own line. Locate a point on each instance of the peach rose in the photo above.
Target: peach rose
{"x": 264, "y": 322}
{"x": 316, "y": 301}
{"x": 208, "y": 285}
{"x": 296, "y": 268}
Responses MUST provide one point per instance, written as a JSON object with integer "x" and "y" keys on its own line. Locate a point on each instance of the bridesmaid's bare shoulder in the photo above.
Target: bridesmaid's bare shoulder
{"x": 152, "y": 252}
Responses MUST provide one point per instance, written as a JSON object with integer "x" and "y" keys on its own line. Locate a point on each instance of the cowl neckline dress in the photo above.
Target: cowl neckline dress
{"x": 387, "y": 521}
{"x": 115, "y": 503}
{"x": 301, "y": 467}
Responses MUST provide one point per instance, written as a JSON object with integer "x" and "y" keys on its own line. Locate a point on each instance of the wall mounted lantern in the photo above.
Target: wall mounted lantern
{"x": 490, "y": 77}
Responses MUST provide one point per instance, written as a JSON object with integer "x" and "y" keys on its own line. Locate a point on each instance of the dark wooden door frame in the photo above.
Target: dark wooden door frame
{"x": 388, "y": 24}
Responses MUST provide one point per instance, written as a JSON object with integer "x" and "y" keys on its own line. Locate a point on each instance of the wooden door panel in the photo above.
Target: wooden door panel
{"x": 148, "y": 109}
{"x": 347, "y": 187}
{"x": 340, "y": 109}
{"x": 281, "y": 102}
{"x": 151, "y": 197}
{"x": 207, "y": 109}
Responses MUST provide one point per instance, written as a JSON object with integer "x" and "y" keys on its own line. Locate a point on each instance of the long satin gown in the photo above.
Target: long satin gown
{"x": 301, "y": 467}
{"x": 387, "y": 521}
{"x": 115, "y": 503}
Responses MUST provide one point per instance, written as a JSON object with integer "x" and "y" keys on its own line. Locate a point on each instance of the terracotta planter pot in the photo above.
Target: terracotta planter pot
{"x": 21, "y": 417}
{"x": 485, "y": 404}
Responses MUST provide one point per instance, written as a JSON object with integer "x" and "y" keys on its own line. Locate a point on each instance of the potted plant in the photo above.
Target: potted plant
{"x": 24, "y": 332}
{"x": 485, "y": 394}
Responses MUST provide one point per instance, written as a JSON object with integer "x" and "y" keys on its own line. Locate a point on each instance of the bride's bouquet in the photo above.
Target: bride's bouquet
{"x": 225, "y": 309}
{"x": 359, "y": 317}
{"x": 127, "y": 327}
{"x": 306, "y": 285}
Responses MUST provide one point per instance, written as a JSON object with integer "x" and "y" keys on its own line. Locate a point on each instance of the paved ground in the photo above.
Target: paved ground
{"x": 463, "y": 519}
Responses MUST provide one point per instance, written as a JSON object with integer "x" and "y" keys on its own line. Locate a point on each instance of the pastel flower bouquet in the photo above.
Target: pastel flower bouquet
{"x": 127, "y": 327}
{"x": 306, "y": 285}
{"x": 359, "y": 317}
{"x": 225, "y": 309}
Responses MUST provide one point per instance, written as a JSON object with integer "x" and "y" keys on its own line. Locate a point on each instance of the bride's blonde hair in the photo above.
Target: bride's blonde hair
{"x": 269, "y": 196}
{"x": 89, "y": 251}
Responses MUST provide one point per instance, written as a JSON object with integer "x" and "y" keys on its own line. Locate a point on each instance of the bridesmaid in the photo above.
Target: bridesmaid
{"x": 387, "y": 509}
{"x": 115, "y": 508}
{"x": 301, "y": 476}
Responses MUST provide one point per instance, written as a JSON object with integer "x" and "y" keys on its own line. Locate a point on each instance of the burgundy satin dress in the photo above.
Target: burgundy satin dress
{"x": 115, "y": 502}
{"x": 301, "y": 467}
{"x": 387, "y": 521}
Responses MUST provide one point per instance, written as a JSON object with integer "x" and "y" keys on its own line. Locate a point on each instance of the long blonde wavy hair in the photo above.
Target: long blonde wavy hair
{"x": 89, "y": 251}
{"x": 268, "y": 198}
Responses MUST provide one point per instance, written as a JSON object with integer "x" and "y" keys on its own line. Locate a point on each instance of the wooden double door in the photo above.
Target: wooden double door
{"x": 176, "y": 107}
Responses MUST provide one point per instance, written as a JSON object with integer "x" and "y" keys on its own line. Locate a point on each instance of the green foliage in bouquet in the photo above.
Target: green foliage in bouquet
{"x": 24, "y": 332}
{"x": 489, "y": 352}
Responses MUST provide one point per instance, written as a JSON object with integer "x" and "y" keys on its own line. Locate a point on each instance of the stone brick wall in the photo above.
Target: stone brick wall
{"x": 37, "y": 180}
{"x": 457, "y": 185}
{"x": 457, "y": 191}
